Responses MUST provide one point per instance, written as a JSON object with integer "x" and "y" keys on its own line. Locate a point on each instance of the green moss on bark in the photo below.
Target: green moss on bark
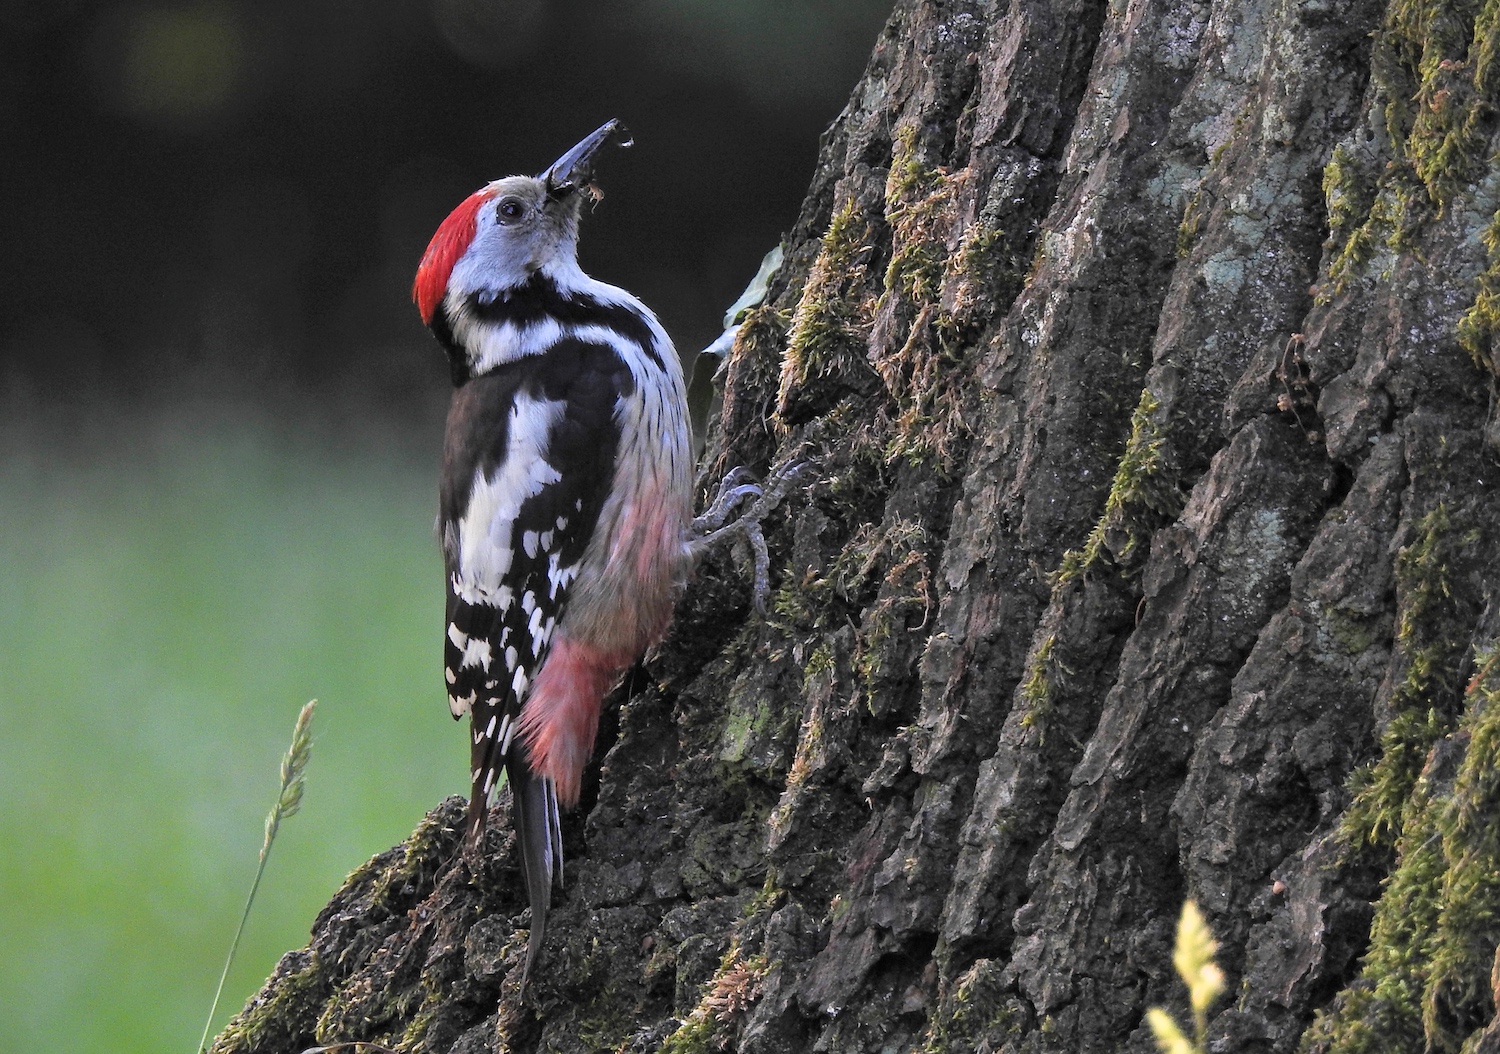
{"x": 1424, "y": 984}
{"x": 976, "y": 1010}
{"x": 1477, "y": 329}
{"x": 1434, "y": 61}
{"x": 1040, "y": 686}
{"x": 828, "y": 331}
{"x": 1348, "y": 190}
{"x": 919, "y": 206}
{"x": 1434, "y": 68}
{"x": 1430, "y": 640}
{"x": 1142, "y": 495}
{"x": 922, "y": 372}
{"x": 289, "y": 1010}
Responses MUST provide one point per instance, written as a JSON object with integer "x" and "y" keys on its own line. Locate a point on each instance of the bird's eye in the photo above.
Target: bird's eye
{"x": 510, "y": 210}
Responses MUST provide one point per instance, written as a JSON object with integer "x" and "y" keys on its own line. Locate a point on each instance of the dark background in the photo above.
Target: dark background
{"x": 229, "y": 198}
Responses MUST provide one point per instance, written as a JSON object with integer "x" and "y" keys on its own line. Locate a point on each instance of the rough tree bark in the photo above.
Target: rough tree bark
{"x": 1142, "y": 355}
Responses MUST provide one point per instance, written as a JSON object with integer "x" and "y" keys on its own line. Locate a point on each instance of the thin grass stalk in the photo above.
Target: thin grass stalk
{"x": 288, "y": 801}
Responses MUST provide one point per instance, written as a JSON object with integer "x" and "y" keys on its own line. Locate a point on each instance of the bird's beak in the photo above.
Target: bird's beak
{"x": 574, "y": 169}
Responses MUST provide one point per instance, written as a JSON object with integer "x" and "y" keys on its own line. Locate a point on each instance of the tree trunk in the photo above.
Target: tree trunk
{"x": 1141, "y": 356}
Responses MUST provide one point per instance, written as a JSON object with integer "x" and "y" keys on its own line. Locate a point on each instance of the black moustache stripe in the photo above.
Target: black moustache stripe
{"x": 539, "y": 299}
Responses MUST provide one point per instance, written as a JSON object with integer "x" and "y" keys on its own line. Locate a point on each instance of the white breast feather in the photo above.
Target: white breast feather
{"x": 486, "y": 533}
{"x": 496, "y": 344}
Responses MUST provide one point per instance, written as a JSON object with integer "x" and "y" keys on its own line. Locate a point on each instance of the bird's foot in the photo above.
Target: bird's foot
{"x": 719, "y": 523}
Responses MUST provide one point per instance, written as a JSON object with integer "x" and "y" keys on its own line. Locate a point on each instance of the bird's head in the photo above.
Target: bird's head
{"x": 505, "y": 233}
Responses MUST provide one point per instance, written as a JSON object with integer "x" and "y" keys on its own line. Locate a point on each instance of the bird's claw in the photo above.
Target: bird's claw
{"x": 715, "y": 525}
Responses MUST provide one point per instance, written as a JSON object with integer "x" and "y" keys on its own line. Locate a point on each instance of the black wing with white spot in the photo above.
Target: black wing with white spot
{"x": 518, "y": 506}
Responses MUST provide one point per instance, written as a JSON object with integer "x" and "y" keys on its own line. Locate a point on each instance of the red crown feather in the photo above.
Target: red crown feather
{"x": 446, "y": 248}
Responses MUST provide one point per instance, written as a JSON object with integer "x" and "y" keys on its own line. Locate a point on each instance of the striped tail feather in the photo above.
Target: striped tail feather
{"x": 490, "y": 749}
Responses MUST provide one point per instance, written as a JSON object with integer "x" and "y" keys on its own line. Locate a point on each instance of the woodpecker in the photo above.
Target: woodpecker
{"x": 565, "y": 499}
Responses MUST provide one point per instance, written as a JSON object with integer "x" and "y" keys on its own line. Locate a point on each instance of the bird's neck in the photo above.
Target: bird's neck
{"x": 486, "y": 328}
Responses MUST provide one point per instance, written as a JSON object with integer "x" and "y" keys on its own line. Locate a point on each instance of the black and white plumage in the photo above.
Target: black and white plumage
{"x": 564, "y": 506}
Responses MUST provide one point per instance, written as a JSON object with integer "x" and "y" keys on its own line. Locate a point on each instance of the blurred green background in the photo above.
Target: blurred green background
{"x": 166, "y": 605}
{"x": 220, "y": 421}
